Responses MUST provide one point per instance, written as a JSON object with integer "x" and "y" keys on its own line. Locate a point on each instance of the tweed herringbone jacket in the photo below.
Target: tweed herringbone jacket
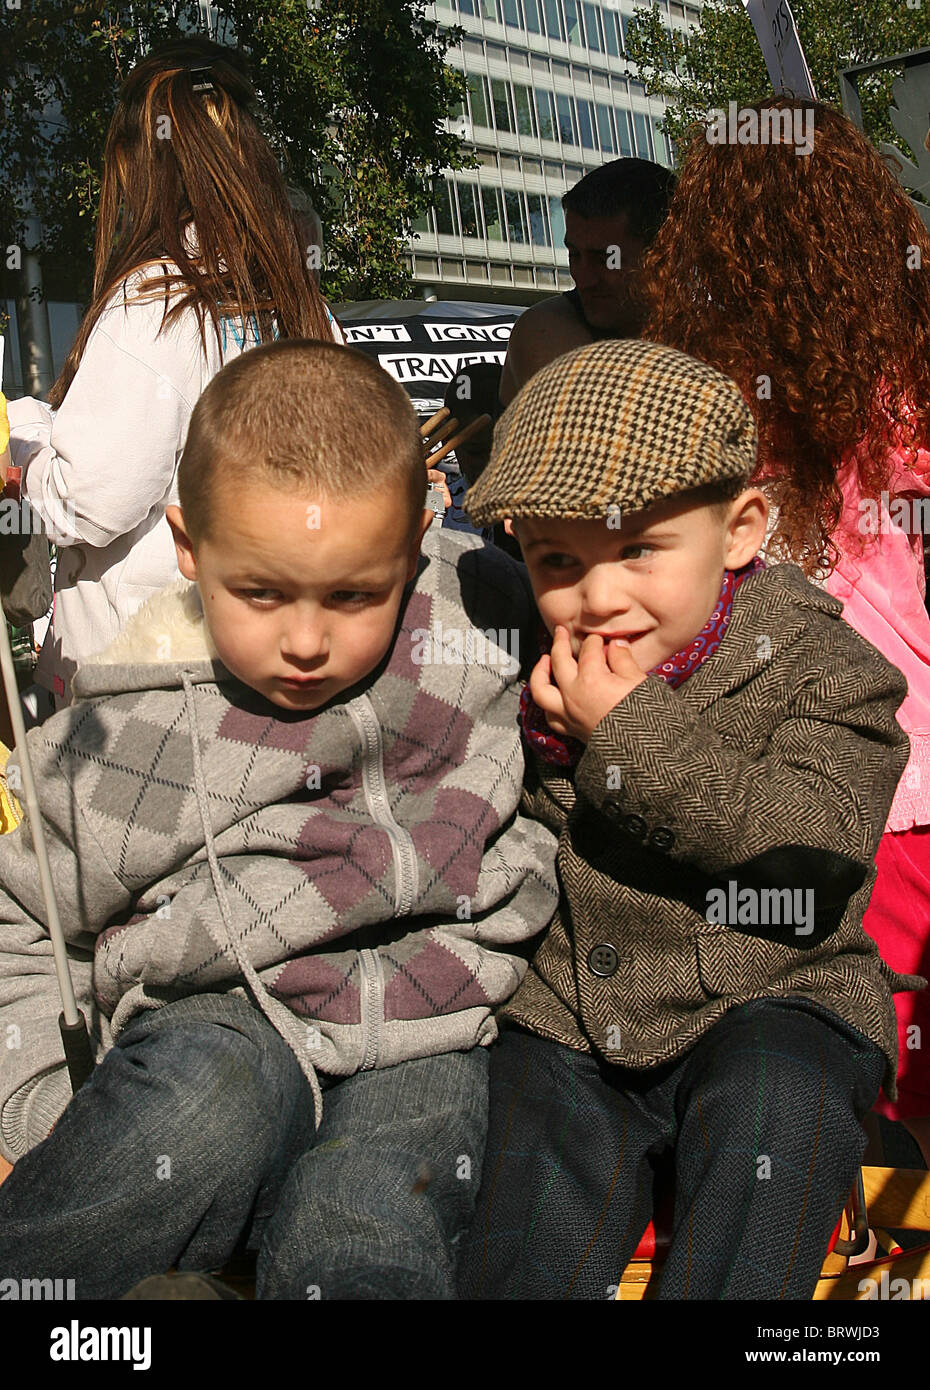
{"x": 771, "y": 768}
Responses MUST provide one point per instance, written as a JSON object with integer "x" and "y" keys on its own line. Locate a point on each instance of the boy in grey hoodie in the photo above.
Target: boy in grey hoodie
{"x": 283, "y": 832}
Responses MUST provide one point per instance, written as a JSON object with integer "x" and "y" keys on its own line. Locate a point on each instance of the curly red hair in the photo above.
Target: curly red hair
{"x": 811, "y": 271}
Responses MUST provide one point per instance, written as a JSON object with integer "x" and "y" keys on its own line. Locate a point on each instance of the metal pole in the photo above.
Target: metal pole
{"x": 72, "y": 1024}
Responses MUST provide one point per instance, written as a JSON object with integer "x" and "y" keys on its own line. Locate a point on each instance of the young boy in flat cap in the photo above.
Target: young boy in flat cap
{"x": 717, "y": 751}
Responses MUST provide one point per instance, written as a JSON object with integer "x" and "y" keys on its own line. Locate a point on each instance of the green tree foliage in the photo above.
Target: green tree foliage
{"x": 354, "y": 96}
{"x": 720, "y": 60}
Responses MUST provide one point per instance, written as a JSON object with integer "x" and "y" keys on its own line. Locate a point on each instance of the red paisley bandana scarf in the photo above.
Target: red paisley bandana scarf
{"x": 567, "y": 751}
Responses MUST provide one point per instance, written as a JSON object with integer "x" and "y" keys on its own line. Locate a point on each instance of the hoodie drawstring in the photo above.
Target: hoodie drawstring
{"x": 278, "y": 1015}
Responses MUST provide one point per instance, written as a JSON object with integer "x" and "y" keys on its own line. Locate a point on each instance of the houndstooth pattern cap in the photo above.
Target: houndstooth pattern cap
{"x": 620, "y": 423}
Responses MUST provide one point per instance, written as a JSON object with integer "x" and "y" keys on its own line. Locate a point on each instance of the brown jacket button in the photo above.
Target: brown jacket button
{"x": 662, "y": 838}
{"x": 636, "y": 826}
{"x": 603, "y": 961}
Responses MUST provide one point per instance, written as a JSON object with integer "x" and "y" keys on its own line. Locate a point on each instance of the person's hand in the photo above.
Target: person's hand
{"x": 584, "y": 691}
{"x": 438, "y": 479}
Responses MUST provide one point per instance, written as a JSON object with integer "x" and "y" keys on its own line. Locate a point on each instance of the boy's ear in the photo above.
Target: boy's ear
{"x": 183, "y": 544}
{"x": 420, "y": 530}
{"x": 746, "y": 527}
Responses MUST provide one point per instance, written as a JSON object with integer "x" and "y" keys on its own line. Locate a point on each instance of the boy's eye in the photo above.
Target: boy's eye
{"x": 263, "y": 597}
{"x": 635, "y": 552}
{"x": 352, "y": 597}
{"x": 558, "y": 560}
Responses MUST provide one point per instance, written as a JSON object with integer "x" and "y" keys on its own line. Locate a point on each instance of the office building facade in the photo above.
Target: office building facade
{"x": 550, "y": 94}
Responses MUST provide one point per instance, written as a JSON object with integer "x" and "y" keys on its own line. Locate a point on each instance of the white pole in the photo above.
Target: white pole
{"x": 69, "y": 1004}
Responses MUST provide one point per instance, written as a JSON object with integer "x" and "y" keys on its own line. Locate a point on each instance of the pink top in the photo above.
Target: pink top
{"x": 882, "y": 591}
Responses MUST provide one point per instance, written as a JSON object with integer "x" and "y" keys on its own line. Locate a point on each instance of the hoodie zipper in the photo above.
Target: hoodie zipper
{"x": 371, "y": 990}
{"x": 403, "y": 850}
{"x": 406, "y": 876}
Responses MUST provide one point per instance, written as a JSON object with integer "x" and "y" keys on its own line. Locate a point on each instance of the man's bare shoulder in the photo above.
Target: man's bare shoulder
{"x": 555, "y": 309}
{"x": 543, "y": 332}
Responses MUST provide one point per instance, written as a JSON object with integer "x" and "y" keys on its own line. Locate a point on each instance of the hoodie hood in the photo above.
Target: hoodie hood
{"x": 165, "y": 639}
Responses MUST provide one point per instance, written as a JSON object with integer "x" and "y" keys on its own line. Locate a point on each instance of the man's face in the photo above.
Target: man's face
{"x": 654, "y": 581}
{"x": 595, "y": 245}
{"x": 301, "y": 596}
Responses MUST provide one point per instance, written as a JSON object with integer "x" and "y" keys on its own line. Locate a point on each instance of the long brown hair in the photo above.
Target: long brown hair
{"x": 189, "y": 178}
{"x": 805, "y": 277}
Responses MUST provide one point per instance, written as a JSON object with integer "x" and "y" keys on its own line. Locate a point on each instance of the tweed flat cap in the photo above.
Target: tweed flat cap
{"x": 621, "y": 423}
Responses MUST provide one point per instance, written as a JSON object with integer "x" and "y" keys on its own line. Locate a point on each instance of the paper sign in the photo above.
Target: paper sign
{"x": 781, "y": 48}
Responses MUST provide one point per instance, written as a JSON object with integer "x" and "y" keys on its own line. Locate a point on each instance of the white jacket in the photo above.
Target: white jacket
{"x": 102, "y": 469}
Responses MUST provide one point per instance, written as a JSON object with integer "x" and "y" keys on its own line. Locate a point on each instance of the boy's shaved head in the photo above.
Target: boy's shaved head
{"x": 311, "y": 417}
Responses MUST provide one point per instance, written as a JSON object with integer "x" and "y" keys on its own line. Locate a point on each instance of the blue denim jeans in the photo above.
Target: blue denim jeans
{"x": 198, "y": 1125}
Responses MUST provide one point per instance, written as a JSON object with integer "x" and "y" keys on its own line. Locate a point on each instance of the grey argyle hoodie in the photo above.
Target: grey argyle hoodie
{"x": 362, "y": 871}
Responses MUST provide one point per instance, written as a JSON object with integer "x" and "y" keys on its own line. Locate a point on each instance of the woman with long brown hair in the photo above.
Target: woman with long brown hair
{"x": 197, "y": 258}
{"x": 800, "y": 268}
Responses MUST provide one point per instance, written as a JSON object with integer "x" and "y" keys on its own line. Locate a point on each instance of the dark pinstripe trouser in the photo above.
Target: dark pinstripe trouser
{"x": 764, "y": 1114}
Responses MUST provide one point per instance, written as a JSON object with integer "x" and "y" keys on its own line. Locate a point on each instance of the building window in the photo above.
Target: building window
{"x": 468, "y": 7}
{"x": 533, "y": 17}
{"x": 557, "y": 219}
{"x": 523, "y": 100}
{"x": 643, "y": 143}
{"x": 553, "y": 19}
{"x": 545, "y": 114}
{"x": 516, "y": 220}
{"x": 539, "y": 224}
{"x": 594, "y": 27}
{"x": 564, "y": 106}
{"x": 503, "y": 112}
{"x": 659, "y": 141}
{"x": 624, "y": 133}
{"x": 512, "y": 14}
{"x": 470, "y": 209}
{"x": 424, "y": 223}
{"x": 573, "y": 22}
{"x": 605, "y": 129}
{"x": 586, "y": 124}
{"x": 478, "y": 100}
{"x": 447, "y": 222}
{"x": 493, "y": 213}
{"x": 490, "y": 10}
{"x": 613, "y": 34}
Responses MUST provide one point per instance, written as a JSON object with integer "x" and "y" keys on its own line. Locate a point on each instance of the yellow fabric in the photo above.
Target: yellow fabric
{"x": 4, "y": 424}
{"x": 10, "y": 812}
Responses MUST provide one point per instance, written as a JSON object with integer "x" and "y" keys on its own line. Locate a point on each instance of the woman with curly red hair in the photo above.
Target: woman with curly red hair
{"x": 803, "y": 271}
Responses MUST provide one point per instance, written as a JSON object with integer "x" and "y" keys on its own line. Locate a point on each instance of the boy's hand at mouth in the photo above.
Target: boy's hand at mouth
{"x": 576, "y": 695}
